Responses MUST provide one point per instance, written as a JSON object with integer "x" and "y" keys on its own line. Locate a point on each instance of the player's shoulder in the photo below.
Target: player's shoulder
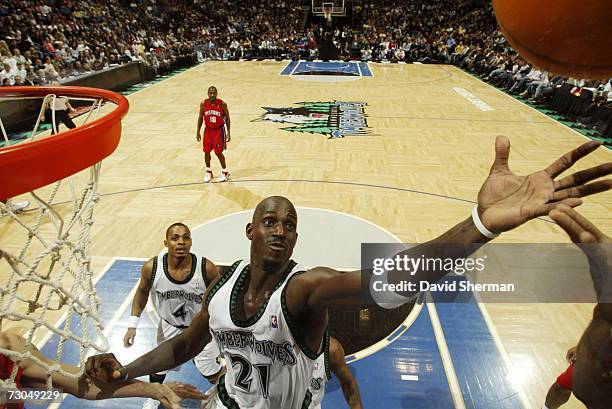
{"x": 147, "y": 267}
{"x": 315, "y": 274}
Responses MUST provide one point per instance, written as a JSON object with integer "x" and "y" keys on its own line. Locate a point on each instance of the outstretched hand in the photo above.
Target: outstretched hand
{"x": 594, "y": 244}
{"x": 506, "y": 201}
{"x": 171, "y": 394}
{"x": 186, "y": 391}
{"x": 104, "y": 368}
{"x": 578, "y": 227}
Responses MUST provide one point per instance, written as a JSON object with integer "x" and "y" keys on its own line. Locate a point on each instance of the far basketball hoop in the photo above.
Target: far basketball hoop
{"x": 327, "y": 12}
{"x": 328, "y": 9}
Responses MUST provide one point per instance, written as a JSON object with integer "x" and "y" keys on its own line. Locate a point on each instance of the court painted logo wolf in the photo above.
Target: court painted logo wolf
{"x": 336, "y": 119}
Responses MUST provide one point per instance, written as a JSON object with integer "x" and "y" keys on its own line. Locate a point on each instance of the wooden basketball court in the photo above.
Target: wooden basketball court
{"x": 415, "y": 172}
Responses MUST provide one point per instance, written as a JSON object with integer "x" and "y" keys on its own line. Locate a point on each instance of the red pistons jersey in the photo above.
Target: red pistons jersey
{"x": 6, "y": 367}
{"x": 213, "y": 113}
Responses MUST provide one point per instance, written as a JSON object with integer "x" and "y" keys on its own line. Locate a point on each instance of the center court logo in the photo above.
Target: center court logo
{"x": 336, "y": 119}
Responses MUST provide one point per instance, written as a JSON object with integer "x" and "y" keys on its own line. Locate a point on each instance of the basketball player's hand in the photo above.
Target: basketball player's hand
{"x": 506, "y": 201}
{"x": 594, "y": 244}
{"x": 229, "y": 137}
{"x": 166, "y": 396}
{"x": 578, "y": 227}
{"x": 104, "y": 368}
{"x": 186, "y": 391}
{"x": 570, "y": 355}
{"x": 128, "y": 339}
{"x": 171, "y": 394}
{"x": 209, "y": 398}
{"x": 198, "y": 137}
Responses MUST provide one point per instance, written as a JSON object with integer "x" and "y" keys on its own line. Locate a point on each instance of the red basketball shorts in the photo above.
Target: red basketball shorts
{"x": 214, "y": 139}
{"x": 565, "y": 379}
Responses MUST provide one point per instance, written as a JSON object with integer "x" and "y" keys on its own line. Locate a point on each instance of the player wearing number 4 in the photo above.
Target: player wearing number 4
{"x": 214, "y": 114}
{"x": 176, "y": 281}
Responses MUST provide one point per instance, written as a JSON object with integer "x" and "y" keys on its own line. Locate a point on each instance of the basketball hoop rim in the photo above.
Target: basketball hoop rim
{"x": 30, "y": 165}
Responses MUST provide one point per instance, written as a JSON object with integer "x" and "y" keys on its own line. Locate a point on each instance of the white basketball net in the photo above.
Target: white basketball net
{"x": 49, "y": 269}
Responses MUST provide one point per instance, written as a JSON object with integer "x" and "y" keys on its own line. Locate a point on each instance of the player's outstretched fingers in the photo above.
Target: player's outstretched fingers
{"x": 567, "y": 161}
{"x": 584, "y": 176}
{"x": 565, "y": 217}
{"x": 186, "y": 391}
{"x": 582, "y": 190}
{"x": 585, "y": 223}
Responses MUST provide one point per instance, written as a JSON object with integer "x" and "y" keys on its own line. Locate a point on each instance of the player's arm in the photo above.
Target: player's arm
{"x": 338, "y": 366}
{"x": 34, "y": 376}
{"x": 175, "y": 351}
{"x": 597, "y": 246}
{"x": 505, "y": 201}
{"x": 324, "y": 286}
{"x": 139, "y": 302}
{"x": 226, "y": 116}
{"x": 200, "y": 120}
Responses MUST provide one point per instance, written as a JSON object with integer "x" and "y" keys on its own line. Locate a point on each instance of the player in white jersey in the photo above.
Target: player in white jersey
{"x": 505, "y": 201}
{"x": 332, "y": 361}
{"x": 266, "y": 356}
{"x": 176, "y": 282}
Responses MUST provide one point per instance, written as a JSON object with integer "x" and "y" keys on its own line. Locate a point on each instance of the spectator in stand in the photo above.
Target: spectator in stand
{"x": 521, "y": 85}
{"x": 7, "y": 75}
{"x": 51, "y": 73}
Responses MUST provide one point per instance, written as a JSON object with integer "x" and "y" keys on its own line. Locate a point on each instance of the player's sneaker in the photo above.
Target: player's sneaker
{"x": 224, "y": 176}
{"x": 150, "y": 404}
{"x": 208, "y": 176}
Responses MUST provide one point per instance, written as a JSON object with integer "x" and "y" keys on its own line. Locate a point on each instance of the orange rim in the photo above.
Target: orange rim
{"x": 31, "y": 165}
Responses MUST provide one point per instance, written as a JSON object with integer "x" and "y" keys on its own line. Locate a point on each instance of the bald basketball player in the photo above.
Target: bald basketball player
{"x": 269, "y": 314}
{"x": 589, "y": 376}
{"x": 32, "y": 375}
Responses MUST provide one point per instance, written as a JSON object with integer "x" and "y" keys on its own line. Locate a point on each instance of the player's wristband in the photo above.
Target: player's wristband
{"x": 133, "y": 321}
{"x": 480, "y": 226}
{"x": 126, "y": 376}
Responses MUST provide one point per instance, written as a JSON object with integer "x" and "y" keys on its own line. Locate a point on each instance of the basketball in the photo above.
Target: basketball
{"x": 566, "y": 37}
